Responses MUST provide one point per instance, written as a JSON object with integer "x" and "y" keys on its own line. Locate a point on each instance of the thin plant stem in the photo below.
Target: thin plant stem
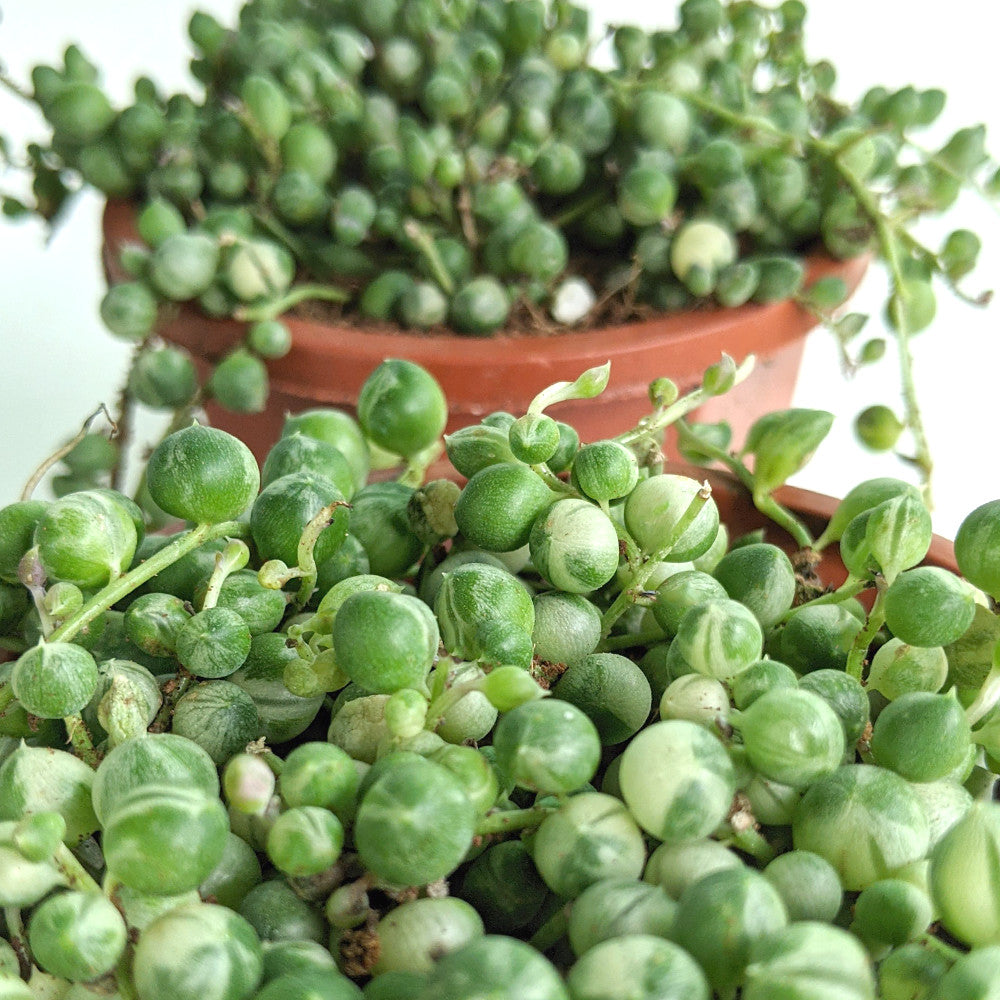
{"x": 945, "y": 167}
{"x": 11, "y": 85}
{"x": 743, "y": 121}
{"x": 231, "y": 559}
{"x": 123, "y": 979}
{"x": 451, "y": 696}
{"x": 764, "y": 502}
{"x": 508, "y": 820}
{"x": 75, "y": 874}
{"x": 578, "y": 209}
{"x": 424, "y": 242}
{"x": 851, "y": 587}
{"x": 466, "y": 218}
{"x": 267, "y": 145}
{"x": 124, "y": 416}
{"x": 888, "y": 233}
{"x": 439, "y": 677}
{"x": 415, "y": 469}
{"x": 784, "y": 518}
{"x": 876, "y": 617}
{"x": 180, "y": 684}
{"x": 641, "y": 573}
{"x": 987, "y": 697}
{"x": 673, "y": 413}
{"x": 17, "y": 939}
{"x": 45, "y": 621}
{"x": 933, "y": 943}
{"x": 124, "y": 585}
{"x": 888, "y": 241}
{"x": 731, "y": 462}
{"x": 266, "y": 754}
{"x": 553, "y": 482}
{"x": 613, "y": 642}
{"x": 751, "y": 842}
{"x": 79, "y": 737}
{"x": 306, "y": 550}
{"x": 39, "y": 473}
{"x": 300, "y": 293}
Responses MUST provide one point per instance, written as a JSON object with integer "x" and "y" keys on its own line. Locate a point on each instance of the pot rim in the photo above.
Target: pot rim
{"x": 773, "y": 323}
{"x": 814, "y": 508}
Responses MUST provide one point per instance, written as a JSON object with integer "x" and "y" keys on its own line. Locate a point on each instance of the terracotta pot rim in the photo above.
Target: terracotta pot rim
{"x": 679, "y": 328}
{"x": 814, "y": 508}
{"x": 328, "y": 364}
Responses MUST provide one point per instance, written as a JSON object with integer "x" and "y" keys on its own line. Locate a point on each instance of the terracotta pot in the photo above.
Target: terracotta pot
{"x": 736, "y": 510}
{"x": 328, "y": 364}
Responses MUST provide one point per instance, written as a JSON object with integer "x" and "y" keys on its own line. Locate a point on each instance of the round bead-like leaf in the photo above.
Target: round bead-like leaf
{"x": 165, "y": 839}
{"x": 574, "y": 546}
{"x": 547, "y": 745}
{"x": 677, "y": 780}
{"x": 866, "y": 821}
{"x": 77, "y": 936}
{"x": 414, "y": 824}
{"x": 202, "y": 474}
{"x": 654, "y": 511}
{"x": 200, "y": 951}
{"x": 54, "y": 679}
{"x": 385, "y": 641}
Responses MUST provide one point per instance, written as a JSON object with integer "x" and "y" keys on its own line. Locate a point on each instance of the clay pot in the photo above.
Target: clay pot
{"x": 737, "y": 512}
{"x": 328, "y": 364}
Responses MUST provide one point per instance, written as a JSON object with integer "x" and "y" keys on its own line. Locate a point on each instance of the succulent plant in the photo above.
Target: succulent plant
{"x": 386, "y": 788}
{"x": 479, "y": 166}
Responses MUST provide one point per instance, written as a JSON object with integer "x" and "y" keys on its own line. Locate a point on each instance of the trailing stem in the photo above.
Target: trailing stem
{"x": 764, "y": 502}
{"x": 667, "y": 415}
{"x": 79, "y": 737}
{"x": 124, "y": 585}
{"x": 641, "y": 573}
{"x": 889, "y": 234}
{"x": 551, "y": 931}
{"x": 862, "y": 642}
{"x": 18, "y": 940}
{"x": 851, "y": 587}
{"x": 39, "y": 473}
{"x": 300, "y": 293}
{"x": 887, "y": 237}
{"x": 508, "y": 820}
{"x": 987, "y": 698}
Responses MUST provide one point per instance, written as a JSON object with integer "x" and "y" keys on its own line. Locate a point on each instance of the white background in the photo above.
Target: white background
{"x": 57, "y": 363}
